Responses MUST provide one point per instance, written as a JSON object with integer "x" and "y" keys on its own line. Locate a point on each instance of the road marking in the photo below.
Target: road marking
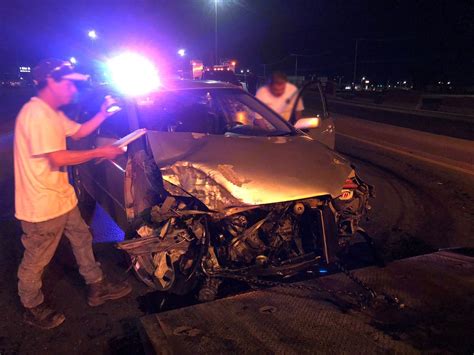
{"x": 412, "y": 155}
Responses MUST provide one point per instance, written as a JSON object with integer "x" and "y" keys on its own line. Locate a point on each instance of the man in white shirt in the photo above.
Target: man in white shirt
{"x": 280, "y": 96}
{"x": 45, "y": 202}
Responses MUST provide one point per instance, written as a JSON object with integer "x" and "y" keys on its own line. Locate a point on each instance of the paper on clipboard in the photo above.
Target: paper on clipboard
{"x": 129, "y": 138}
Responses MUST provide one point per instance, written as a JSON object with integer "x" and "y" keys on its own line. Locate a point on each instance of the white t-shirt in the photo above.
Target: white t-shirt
{"x": 282, "y": 104}
{"x": 42, "y": 192}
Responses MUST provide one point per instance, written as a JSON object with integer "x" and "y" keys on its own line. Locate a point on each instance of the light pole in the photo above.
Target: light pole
{"x": 215, "y": 31}
{"x": 296, "y": 63}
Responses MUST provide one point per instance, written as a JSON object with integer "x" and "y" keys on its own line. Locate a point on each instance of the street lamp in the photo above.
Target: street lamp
{"x": 92, "y": 34}
{"x": 215, "y": 31}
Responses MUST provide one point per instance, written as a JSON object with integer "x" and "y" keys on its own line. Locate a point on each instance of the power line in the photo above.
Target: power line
{"x": 311, "y": 55}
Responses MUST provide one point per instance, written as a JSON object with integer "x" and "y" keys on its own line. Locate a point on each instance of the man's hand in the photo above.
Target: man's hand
{"x": 109, "y": 101}
{"x": 73, "y": 157}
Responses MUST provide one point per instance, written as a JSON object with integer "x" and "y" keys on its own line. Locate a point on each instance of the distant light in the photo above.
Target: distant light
{"x": 25, "y": 69}
{"x": 449, "y": 83}
{"x": 182, "y": 52}
{"x": 233, "y": 63}
{"x": 367, "y": 81}
{"x": 73, "y": 60}
{"x": 363, "y": 78}
{"x": 92, "y": 34}
{"x": 248, "y": 70}
{"x": 242, "y": 71}
{"x": 405, "y": 82}
{"x": 133, "y": 74}
{"x": 439, "y": 82}
{"x": 348, "y": 87}
{"x": 323, "y": 271}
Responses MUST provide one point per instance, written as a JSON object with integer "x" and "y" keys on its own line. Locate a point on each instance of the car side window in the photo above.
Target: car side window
{"x": 116, "y": 126}
{"x": 89, "y": 103}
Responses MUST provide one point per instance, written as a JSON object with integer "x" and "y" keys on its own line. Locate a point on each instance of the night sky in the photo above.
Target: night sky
{"x": 415, "y": 40}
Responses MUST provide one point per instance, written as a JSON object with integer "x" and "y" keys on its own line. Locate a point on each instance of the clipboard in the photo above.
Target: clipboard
{"x": 123, "y": 142}
{"x": 129, "y": 138}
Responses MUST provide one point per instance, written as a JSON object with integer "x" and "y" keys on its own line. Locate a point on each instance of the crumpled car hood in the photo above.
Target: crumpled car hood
{"x": 228, "y": 171}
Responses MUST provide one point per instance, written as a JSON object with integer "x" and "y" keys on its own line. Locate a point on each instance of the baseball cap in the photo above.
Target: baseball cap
{"x": 56, "y": 69}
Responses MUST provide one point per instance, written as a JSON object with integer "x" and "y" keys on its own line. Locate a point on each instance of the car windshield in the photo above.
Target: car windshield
{"x": 213, "y": 111}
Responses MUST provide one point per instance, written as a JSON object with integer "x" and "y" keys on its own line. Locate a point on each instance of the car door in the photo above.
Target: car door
{"x": 102, "y": 181}
{"x": 108, "y": 175}
{"x": 315, "y": 105}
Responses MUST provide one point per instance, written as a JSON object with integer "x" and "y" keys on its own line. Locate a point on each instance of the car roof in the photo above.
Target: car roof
{"x": 187, "y": 84}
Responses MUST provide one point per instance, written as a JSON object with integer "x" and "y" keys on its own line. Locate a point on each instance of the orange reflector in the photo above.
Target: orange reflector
{"x": 346, "y": 195}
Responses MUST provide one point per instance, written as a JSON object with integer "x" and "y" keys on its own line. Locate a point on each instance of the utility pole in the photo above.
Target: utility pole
{"x": 355, "y": 64}
{"x": 296, "y": 66}
{"x": 370, "y": 40}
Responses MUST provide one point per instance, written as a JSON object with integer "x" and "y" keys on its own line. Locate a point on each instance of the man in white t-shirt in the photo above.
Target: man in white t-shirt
{"x": 45, "y": 202}
{"x": 280, "y": 96}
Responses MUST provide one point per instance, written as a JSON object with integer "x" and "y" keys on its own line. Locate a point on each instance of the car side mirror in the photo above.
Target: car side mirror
{"x": 308, "y": 123}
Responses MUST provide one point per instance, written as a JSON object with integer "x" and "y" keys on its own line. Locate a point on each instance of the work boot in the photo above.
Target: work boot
{"x": 43, "y": 317}
{"x": 105, "y": 290}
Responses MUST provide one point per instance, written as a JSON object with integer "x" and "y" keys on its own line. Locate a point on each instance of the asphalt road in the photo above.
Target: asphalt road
{"x": 449, "y": 125}
{"x": 419, "y": 208}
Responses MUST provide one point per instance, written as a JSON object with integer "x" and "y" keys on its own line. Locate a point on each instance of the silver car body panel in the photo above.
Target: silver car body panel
{"x": 224, "y": 171}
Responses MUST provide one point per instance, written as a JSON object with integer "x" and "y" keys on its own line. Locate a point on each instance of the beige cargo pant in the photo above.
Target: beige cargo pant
{"x": 41, "y": 241}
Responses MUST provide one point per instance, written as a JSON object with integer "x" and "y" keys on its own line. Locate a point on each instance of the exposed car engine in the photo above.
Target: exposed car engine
{"x": 177, "y": 243}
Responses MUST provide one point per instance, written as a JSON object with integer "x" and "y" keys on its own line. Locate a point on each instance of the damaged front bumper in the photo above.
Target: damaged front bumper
{"x": 198, "y": 212}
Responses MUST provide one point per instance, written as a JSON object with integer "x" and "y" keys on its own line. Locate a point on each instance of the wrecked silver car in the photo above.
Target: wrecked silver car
{"x": 220, "y": 185}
